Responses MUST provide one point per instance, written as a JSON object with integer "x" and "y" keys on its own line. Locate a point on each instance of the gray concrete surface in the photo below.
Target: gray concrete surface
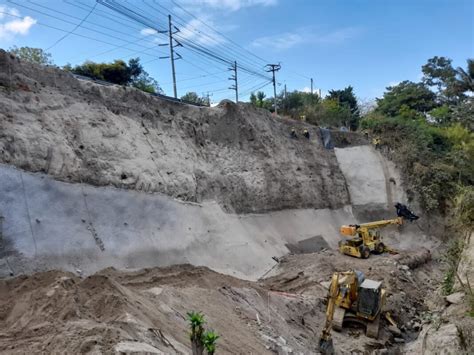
{"x": 55, "y": 225}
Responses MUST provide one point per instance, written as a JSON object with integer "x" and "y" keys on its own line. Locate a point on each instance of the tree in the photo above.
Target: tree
{"x": 334, "y": 114}
{"x": 406, "y": 95}
{"x": 194, "y": 98}
{"x": 260, "y": 97}
{"x": 32, "y": 55}
{"x": 146, "y": 83}
{"x": 253, "y": 99}
{"x": 347, "y": 98}
{"x": 439, "y": 72}
{"x": 118, "y": 72}
{"x": 465, "y": 78}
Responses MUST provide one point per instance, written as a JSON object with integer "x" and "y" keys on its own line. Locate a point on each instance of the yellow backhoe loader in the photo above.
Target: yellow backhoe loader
{"x": 367, "y": 238}
{"x": 351, "y": 297}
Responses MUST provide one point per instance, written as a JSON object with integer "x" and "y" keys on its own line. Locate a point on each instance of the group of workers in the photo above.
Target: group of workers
{"x": 294, "y": 135}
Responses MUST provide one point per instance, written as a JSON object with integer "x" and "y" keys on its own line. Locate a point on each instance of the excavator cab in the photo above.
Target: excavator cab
{"x": 369, "y": 301}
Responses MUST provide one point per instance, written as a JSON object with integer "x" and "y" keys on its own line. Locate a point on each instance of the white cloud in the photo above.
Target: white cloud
{"x": 279, "y": 42}
{"x": 9, "y": 27}
{"x": 148, "y": 31}
{"x": 191, "y": 32}
{"x": 315, "y": 91}
{"x": 231, "y": 5}
{"x": 305, "y": 35}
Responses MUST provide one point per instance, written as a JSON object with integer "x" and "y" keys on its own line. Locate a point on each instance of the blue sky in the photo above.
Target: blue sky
{"x": 366, "y": 44}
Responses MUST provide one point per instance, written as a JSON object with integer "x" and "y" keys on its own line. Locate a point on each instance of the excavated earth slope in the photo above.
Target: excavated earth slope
{"x": 110, "y": 135}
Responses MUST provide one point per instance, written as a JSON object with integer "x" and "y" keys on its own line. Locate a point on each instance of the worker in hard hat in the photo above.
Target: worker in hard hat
{"x": 376, "y": 143}
{"x": 306, "y": 133}
{"x": 293, "y": 133}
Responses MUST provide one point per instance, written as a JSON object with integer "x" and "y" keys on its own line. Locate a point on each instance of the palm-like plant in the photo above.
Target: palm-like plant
{"x": 210, "y": 339}
{"x": 196, "y": 322}
{"x": 465, "y": 78}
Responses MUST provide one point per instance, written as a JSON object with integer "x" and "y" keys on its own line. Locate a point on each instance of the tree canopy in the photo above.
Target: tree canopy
{"x": 406, "y": 96}
{"x": 32, "y": 55}
{"x": 118, "y": 72}
{"x": 193, "y": 97}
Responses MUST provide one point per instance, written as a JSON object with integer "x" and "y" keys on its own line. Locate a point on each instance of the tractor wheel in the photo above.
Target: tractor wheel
{"x": 364, "y": 252}
{"x": 380, "y": 248}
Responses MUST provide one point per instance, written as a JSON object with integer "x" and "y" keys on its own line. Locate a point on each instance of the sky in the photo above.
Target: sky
{"x": 368, "y": 44}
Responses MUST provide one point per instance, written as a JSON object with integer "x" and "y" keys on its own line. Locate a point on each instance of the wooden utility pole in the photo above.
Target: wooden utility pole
{"x": 311, "y": 86}
{"x": 274, "y": 68}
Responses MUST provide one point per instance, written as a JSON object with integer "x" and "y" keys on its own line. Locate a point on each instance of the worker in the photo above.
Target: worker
{"x": 293, "y": 133}
{"x": 376, "y": 143}
{"x": 306, "y": 133}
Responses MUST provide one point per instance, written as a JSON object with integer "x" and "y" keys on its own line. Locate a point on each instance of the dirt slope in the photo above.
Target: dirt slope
{"x": 146, "y": 310}
{"x": 111, "y": 135}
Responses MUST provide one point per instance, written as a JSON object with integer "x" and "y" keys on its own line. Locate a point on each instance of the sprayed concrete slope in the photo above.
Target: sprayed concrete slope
{"x": 55, "y": 225}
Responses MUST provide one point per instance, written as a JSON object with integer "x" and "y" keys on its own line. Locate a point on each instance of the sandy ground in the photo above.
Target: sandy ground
{"x": 146, "y": 310}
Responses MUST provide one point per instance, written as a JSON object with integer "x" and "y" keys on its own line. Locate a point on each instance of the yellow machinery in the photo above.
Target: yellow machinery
{"x": 367, "y": 238}
{"x": 351, "y": 297}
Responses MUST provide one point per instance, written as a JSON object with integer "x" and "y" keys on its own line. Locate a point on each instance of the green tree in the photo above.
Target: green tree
{"x": 193, "y": 97}
{"x": 118, "y": 72}
{"x": 334, "y": 114}
{"x": 32, "y": 55}
{"x": 407, "y": 94}
{"x": 439, "y": 72}
{"x": 253, "y": 99}
{"x": 260, "y": 97}
{"x": 347, "y": 98}
{"x": 465, "y": 78}
{"x": 146, "y": 83}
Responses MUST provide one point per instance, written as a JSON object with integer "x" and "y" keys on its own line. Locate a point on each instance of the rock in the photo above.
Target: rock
{"x": 326, "y": 284}
{"x": 399, "y": 340}
{"x": 394, "y": 330}
{"x": 417, "y": 326}
{"x": 455, "y": 298}
{"x": 403, "y": 267}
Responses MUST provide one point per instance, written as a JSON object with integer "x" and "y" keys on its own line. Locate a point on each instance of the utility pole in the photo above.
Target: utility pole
{"x": 172, "y": 45}
{"x": 235, "y": 86}
{"x": 285, "y": 98}
{"x": 311, "y": 86}
{"x": 274, "y": 68}
{"x": 170, "y": 32}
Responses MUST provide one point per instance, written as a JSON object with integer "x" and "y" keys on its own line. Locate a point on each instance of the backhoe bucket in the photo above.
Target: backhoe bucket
{"x": 326, "y": 347}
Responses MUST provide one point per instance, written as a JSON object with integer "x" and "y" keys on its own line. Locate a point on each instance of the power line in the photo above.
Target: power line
{"x": 230, "y": 40}
{"x": 75, "y": 28}
{"x": 189, "y": 28}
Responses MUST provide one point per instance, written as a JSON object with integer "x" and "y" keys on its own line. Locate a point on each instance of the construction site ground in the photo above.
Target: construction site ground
{"x": 145, "y": 310}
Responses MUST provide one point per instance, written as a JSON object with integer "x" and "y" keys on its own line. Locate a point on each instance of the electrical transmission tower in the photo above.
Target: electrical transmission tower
{"x": 273, "y": 68}
{"x": 172, "y": 30}
{"x": 235, "y": 86}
